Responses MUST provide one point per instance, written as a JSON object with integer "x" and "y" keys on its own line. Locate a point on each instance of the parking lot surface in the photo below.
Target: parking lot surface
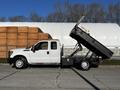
{"x": 55, "y": 78}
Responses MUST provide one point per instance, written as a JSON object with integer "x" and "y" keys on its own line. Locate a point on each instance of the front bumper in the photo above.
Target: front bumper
{"x": 10, "y": 60}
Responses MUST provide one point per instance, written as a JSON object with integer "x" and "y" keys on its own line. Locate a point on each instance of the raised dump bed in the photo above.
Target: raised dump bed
{"x": 89, "y": 42}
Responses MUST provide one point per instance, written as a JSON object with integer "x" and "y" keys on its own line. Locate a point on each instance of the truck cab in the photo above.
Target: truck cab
{"x": 45, "y": 52}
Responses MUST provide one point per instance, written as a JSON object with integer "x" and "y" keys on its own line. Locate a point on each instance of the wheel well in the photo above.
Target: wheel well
{"x": 19, "y": 56}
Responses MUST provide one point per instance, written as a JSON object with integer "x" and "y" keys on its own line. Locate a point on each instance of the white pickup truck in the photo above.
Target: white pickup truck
{"x": 48, "y": 52}
{"x": 43, "y": 52}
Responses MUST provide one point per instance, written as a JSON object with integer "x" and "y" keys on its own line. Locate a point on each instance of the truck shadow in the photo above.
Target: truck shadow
{"x": 49, "y": 66}
{"x": 53, "y": 66}
{"x": 43, "y": 66}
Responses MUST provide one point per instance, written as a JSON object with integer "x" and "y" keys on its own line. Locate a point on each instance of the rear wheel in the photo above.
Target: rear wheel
{"x": 85, "y": 65}
{"x": 20, "y": 63}
{"x": 95, "y": 65}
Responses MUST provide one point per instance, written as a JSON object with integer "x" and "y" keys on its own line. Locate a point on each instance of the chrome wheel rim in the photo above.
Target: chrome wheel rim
{"x": 85, "y": 65}
{"x": 19, "y": 63}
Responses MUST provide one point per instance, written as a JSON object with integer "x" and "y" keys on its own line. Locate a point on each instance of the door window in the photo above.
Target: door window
{"x": 53, "y": 45}
{"x": 41, "y": 46}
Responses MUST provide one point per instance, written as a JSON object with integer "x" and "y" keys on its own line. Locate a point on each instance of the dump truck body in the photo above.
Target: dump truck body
{"x": 89, "y": 42}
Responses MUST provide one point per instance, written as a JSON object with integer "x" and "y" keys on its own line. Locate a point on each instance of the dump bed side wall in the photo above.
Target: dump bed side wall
{"x": 90, "y": 43}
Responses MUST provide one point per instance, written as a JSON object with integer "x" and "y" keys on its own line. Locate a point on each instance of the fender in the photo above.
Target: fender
{"x": 21, "y": 52}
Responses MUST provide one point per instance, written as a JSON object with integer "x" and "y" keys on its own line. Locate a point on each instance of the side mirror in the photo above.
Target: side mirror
{"x": 33, "y": 49}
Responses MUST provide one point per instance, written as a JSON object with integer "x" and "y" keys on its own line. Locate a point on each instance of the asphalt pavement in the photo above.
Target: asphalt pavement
{"x": 55, "y": 78}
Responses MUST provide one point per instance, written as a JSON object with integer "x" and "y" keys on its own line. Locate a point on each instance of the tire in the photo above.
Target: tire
{"x": 20, "y": 62}
{"x": 85, "y": 65}
{"x": 95, "y": 65}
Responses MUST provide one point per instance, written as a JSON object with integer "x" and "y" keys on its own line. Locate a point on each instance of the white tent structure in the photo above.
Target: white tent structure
{"x": 106, "y": 33}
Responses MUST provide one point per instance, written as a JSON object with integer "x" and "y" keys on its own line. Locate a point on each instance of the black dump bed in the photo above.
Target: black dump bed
{"x": 90, "y": 43}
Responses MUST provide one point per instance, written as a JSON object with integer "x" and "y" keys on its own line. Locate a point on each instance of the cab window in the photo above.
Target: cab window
{"x": 41, "y": 46}
{"x": 53, "y": 45}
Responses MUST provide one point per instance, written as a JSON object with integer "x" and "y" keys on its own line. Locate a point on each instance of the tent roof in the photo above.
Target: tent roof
{"x": 107, "y": 33}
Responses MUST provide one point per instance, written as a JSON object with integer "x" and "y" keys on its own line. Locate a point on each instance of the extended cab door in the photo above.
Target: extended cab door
{"x": 46, "y": 52}
{"x": 41, "y": 53}
{"x": 54, "y": 52}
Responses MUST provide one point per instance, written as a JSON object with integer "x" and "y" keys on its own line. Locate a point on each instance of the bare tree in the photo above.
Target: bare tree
{"x": 2, "y": 19}
{"x": 34, "y": 17}
{"x": 95, "y": 12}
{"x": 75, "y": 12}
{"x": 66, "y": 12}
{"x": 114, "y": 12}
{"x": 18, "y": 19}
{"x": 58, "y": 15}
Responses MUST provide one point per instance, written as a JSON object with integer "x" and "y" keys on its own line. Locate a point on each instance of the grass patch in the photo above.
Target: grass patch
{"x": 3, "y": 60}
{"x": 111, "y": 62}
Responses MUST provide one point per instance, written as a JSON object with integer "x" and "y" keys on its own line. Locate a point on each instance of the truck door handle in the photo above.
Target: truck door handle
{"x": 47, "y": 52}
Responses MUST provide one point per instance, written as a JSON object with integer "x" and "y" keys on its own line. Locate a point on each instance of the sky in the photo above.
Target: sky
{"x": 9, "y": 8}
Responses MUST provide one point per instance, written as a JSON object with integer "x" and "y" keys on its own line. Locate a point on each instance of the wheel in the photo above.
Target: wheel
{"x": 20, "y": 63}
{"x": 85, "y": 65}
{"x": 95, "y": 65}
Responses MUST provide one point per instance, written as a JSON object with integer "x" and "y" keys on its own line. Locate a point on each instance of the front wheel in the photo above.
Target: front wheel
{"x": 85, "y": 65}
{"x": 20, "y": 63}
